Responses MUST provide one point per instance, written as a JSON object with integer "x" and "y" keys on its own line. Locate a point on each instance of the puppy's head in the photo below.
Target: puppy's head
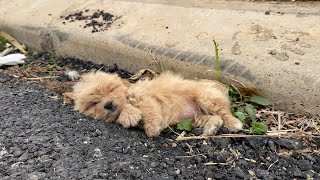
{"x": 99, "y": 95}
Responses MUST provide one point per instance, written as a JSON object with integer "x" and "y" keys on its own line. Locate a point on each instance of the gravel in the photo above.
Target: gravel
{"x": 41, "y": 138}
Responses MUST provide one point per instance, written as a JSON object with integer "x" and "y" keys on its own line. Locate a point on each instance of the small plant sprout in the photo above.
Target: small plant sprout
{"x": 54, "y": 60}
{"x": 244, "y": 108}
{"x": 217, "y": 61}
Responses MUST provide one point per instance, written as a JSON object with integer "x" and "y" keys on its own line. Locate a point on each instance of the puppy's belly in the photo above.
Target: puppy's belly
{"x": 190, "y": 111}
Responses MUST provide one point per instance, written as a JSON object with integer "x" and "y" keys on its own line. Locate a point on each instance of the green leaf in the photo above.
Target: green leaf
{"x": 246, "y": 99}
{"x": 240, "y": 115}
{"x": 233, "y": 92}
{"x": 233, "y": 98}
{"x": 261, "y": 100}
{"x": 240, "y": 109}
{"x": 258, "y": 128}
{"x": 185, "y": 125}
{"x": 251, "y": 112}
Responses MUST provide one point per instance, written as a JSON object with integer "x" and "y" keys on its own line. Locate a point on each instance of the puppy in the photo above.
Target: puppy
{"x": 154, "y": 104}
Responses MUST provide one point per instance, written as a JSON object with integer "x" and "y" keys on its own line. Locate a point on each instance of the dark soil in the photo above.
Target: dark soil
{"x": 45, "y": 59}
{"x": 97, "y": 20}
{"x": 41, "y": 138}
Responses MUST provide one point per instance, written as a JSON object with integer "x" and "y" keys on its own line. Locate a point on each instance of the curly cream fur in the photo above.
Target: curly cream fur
{"x": 157, "y": 103}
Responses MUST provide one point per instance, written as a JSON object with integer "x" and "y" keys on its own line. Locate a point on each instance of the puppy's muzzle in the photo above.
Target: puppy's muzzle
{"x": 110, "y": 106}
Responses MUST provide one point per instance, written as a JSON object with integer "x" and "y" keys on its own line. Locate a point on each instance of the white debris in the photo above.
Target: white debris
{"x": 97, "y": 153}
{"x": 12, "y": 59}
{"x": 73, "y": 75}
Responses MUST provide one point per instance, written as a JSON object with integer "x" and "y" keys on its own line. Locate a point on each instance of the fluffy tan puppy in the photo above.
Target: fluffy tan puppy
{"x": 154, "y": 104}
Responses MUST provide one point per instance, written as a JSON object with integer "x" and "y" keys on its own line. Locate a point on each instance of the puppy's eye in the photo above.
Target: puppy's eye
{"x": 93, "y": 103}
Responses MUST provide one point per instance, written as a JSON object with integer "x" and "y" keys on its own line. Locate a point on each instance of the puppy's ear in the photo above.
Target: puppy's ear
{"x": 68, "y": 98}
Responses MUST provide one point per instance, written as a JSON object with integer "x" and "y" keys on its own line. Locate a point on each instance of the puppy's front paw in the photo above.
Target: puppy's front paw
{"x": 130, "y": 116}
{"x": 210, "y": 130}
{"x": 212, "y": 126}
{"x": 233, "y": 124}
{"x": 152, "y": 130}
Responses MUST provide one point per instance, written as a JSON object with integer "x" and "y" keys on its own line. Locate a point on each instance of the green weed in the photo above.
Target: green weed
{"x": 217, "y": 61}
{"x": 242, "y": 106}
{"x": 54, "y": 61}
{"x": 24, "y": 66}
{"x": 3, "y": 42}
{"x": 245, "y": 109}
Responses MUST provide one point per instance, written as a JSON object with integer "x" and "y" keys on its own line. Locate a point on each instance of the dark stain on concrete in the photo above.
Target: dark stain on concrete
{"x": 170, "y": 53}
{"x": 46, "y": 42}
{"x": 235, "y": 69}
{"x": 199, "y": 59}
{"x": 227, "y": 65}
{"x": 236, "y": 49}
{"x": 160, "y": 50}
{"x": 183, "y": 56}
{"x": 62, "y": 36}
{"x": 33, "y": 28}
{"x": 248, "y": 75}
{"x": 262, "y": 33}
{"x": 210, "y": 62}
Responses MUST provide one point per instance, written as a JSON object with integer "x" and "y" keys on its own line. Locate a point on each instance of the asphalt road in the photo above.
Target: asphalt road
{"x": 41, "y": 138}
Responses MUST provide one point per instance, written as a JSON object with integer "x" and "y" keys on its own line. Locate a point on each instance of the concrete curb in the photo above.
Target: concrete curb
{"x": 276, "y": 51}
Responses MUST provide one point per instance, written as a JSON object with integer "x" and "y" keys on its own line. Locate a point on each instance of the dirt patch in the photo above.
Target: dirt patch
{"x": 97, "y": 20}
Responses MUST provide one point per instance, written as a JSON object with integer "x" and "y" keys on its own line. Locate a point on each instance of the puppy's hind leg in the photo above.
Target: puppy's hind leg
{"x": 209, "y": 123}
{"x": 216, "y": 103}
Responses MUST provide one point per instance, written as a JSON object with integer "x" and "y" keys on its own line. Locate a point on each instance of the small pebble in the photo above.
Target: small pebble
{"x": 24, "y": 157}
{"x": 239, "y": 173}
{"x": 304, "y": 165}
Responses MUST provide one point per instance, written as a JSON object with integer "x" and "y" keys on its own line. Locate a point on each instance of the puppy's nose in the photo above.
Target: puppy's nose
{"x": 110, "y": 106}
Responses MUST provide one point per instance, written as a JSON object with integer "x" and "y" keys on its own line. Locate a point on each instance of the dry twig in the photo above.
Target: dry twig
{"x": 40, "y": 78}
{"x": 13, "y": 41}
{"x": 283, "y": 135}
